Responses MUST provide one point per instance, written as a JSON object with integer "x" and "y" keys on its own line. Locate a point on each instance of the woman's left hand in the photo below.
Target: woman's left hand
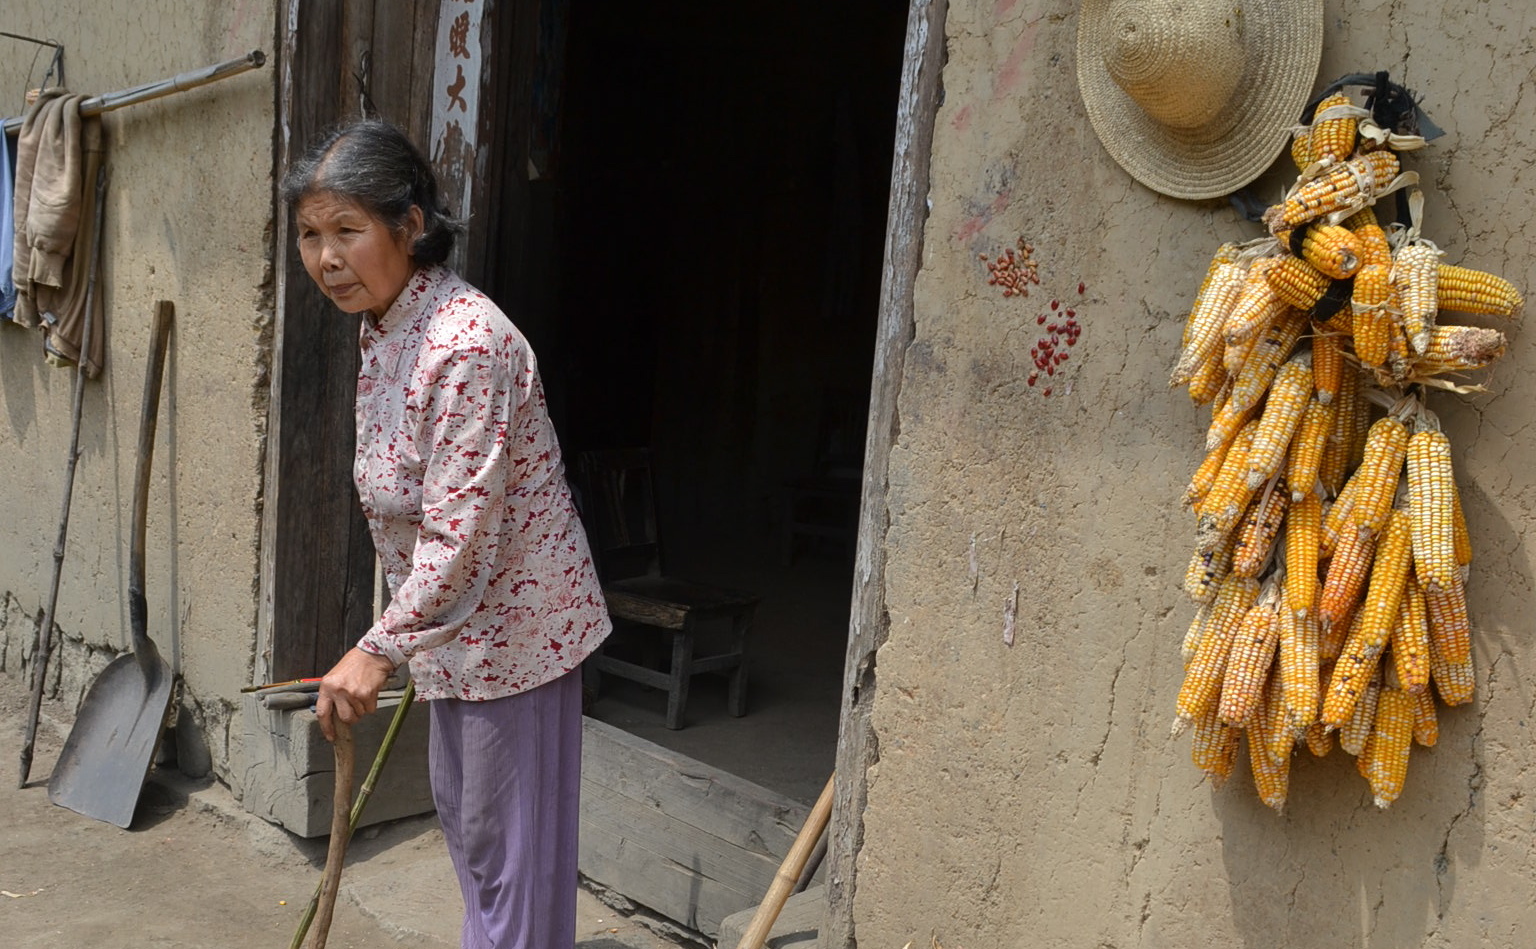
{"x": 351, "y": 689}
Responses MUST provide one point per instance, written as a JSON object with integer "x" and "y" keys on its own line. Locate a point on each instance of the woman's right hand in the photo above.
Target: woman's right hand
{"x": 351, "y": 689}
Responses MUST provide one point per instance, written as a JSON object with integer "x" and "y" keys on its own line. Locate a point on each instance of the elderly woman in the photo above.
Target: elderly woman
{"x": 494, "y": 601}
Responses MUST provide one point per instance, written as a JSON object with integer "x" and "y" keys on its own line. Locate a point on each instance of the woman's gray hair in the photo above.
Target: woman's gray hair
{"x": 374, "y": 164}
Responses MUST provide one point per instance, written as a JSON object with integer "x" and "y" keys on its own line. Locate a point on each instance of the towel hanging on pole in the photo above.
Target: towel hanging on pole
{"x": 155, "y": 90}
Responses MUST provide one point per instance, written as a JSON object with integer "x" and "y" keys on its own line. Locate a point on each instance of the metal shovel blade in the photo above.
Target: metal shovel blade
{"x": 106, "y": 758}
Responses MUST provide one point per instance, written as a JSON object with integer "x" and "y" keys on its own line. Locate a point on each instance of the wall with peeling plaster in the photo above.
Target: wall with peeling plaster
{"x": 188, "y": 219}
{"x": 1030, "y": 795}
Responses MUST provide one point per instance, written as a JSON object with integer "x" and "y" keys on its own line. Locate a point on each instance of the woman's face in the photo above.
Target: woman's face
{"x": 353, "y": 256}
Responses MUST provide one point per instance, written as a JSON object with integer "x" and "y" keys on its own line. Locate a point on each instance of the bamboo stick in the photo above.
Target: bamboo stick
{"x": 45, "y": 635}
{"x": 363, "y": 795}
{"x": 789, "y": 872}
{"x": 156, "y": 90}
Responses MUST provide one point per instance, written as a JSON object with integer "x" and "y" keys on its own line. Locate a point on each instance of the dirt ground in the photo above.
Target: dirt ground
{"x": 197, "y": 872}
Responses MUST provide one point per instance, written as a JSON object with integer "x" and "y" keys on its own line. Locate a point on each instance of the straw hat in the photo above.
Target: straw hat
{"x": 1195, "y": 97}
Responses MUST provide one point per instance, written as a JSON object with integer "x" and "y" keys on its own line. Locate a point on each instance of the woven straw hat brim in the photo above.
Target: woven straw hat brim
{"x": 1284, "y": 39}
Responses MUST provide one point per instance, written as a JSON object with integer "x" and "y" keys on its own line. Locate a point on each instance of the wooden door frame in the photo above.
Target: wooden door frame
{"x": 869, "y": 622}
{"x": 423, "y": 65}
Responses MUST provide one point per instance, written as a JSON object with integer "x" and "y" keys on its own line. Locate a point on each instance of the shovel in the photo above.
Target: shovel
{"x": 108, "y": 753}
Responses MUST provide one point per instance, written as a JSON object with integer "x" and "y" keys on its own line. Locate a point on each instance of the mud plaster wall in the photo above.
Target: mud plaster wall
{"x": 187, "y": 220}
{"x": 1030, "y": 795}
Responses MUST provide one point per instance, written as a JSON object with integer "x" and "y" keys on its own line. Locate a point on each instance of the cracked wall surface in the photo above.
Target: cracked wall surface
{"x": 1029, "y": 795}
{"x": 188, "y": 217}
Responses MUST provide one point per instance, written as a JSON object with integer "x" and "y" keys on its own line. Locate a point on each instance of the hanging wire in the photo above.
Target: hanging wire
{"x": 54, "y": 64}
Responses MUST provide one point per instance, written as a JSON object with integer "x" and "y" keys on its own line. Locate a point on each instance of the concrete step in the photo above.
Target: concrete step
{"x": 797, "y": 927}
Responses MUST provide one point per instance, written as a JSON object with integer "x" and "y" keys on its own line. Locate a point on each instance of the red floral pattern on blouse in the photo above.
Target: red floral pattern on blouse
{"x": 460, "y": 476}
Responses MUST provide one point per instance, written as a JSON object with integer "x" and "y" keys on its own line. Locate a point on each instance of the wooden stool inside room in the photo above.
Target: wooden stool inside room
{"x": 619, "y": 509}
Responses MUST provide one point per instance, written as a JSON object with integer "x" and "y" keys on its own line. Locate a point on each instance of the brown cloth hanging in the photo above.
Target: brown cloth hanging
{"x": 58, "y": 153}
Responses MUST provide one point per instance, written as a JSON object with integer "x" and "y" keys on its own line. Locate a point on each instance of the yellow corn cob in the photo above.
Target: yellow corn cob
{"x": 1205, "y": 476}
{"x": 1299, "y": 666}
{"x": 1214, "y": 747}
{"x": 1297, "y": 283}
{"x": 1280, "y": 738}
{"x": 1459, "y": 349}
{"x": 1333, "y": 250}
{"x": 1195, "y": 633}
{"x": 1432, "y": 508}
{"x": 1426, "y": 725}
{"x": 1252, "y": 655}
{"x": 1257, "y": 530}
{"x": 1203, "y": 332}
{"x": 1207, "y": 568}
{"x": 1455, "y": 681}
{"x": 1333, "y": 139}
{"x": 1301, "y": 149}
{"x": 1319, "y": 739}
{"x": 1327, "y": 366}
{"x": 1305, "y": 456}
{"x": 1229, "y": 496}
{"x": 1347, "y": 186}
{"x": 1362, "y": 417}
{"x": 1391, "y": 737}
{"x": 1336, "y": 519}
{"x": 1399, "y": 360}
{"x": 1371, "y": 241}
{"x": 1476, "y": 291}
{"x": 1202, "y": 679}
{"x": 1258, "y": 371}
{"x": 1416, "y": 276}
{"x": 1386, "y": 444}
{"x": 1331, "y": 638}
{"x": 1257, "y": 306}
{"x": 1410, "y": 640}
{"x": 1233, "y": 358}
{"x": 1270, "y": 778}
{"x": 1462, "y": 537}
{"x": 1347, "y": 571}
{"x": 1361, "y": 218}
{"x": 1371, "y": 303}
{"x": 1355, "y": 731}
{"x": 1303, "y": 526}
{"x": 1283, "y": 409}
{"x": 1225, "y": 254}
{"x": 1208, "y": 380}
{"x": 1340, "y": 445}
{"x": 1450, "y": 628}
{"x": 1384, "y": 594}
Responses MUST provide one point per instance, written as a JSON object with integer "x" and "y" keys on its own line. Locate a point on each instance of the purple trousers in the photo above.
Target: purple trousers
{"x": 506, "y": 778}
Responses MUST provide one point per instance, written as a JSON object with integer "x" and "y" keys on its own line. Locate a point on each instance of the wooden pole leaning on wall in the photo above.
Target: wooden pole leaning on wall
{"x": 181, "y": 82}
{"x": 789, "y": 872}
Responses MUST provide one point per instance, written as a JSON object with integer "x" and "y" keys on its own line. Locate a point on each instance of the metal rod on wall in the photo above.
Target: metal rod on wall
{"x": 155, "y": 90}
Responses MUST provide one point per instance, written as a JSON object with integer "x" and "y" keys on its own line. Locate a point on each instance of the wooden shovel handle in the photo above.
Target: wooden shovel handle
{"x": 341, "y": 830}
{"x": 789, "y": 871}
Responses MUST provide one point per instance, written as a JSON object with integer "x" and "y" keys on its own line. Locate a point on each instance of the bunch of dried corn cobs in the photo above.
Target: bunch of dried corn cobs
{"x": 1330, "y": 582}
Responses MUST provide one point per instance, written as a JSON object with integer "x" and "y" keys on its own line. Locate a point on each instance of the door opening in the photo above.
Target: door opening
{"x": 710, "y": 193}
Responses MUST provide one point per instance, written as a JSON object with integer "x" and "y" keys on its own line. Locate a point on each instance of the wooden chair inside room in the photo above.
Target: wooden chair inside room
{"x": 618, "y": 507}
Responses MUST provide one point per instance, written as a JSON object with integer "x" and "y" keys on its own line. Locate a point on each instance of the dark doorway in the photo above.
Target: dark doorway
{"x": 711, "y": 183}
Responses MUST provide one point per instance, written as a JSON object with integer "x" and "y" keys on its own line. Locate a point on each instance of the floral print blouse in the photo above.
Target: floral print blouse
{"x": 460, "y": 476}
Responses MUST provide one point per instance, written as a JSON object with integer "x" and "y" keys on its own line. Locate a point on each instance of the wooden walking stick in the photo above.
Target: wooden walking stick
{"x": 330, "y": 882}
{"x": 789, "y": 871}
{"x": 363, "y": 794}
